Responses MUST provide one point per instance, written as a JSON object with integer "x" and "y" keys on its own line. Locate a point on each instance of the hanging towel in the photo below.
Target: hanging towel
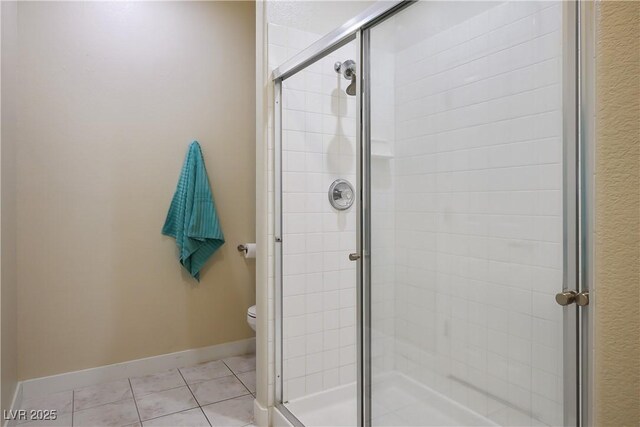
{"x": 192, "y": 219}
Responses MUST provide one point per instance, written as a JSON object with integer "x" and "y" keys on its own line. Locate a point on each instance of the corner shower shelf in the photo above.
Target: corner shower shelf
{"x": 381, "y": 149}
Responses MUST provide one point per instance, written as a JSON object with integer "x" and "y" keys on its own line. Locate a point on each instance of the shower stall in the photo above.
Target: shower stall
{"x": 428, "y": 254}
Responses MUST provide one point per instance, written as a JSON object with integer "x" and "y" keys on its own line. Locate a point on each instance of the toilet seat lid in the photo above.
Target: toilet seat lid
{"x": 252, "y": 311}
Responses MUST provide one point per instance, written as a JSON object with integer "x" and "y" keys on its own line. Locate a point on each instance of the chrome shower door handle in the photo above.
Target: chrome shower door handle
{"x": 582, "y": 299}
{"x": 354, "y": 256}
{"x": 565, "y": 298}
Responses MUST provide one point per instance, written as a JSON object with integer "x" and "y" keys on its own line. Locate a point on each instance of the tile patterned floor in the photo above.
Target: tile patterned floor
{"x": 217, "y": 393}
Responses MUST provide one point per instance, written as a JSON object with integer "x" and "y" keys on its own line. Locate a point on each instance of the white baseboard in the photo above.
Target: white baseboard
{"x": 149, "y": 365}
{"x": 260, "y": 414}
{"x": 16, "y": 402}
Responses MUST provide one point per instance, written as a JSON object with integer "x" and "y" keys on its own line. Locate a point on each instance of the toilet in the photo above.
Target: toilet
{"x": 251, "y": 317}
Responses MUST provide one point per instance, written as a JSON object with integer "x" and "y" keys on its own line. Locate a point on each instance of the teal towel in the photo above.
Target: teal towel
{"x": 192, "y": 219}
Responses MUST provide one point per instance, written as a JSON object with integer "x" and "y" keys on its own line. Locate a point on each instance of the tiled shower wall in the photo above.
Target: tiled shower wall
{"x": 319, "y": 336}
{"x": 478, "y": 179}
{"x": 383, "y": 217}
{"x": 473, "y": 194}
{"x": 282, "y": 43}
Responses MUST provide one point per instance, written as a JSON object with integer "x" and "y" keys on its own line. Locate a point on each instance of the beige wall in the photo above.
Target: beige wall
{"x": 8, "y": 280}
{"x": 111, "y": 95}
{"x": 617, "y": 329}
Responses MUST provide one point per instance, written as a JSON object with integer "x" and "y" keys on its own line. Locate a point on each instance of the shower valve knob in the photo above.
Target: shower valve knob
{"x": 354, "y": 257}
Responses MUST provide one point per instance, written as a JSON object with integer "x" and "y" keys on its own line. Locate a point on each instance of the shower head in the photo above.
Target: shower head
{"x": 348, "y": 70}
{"x": 351, "y": 89}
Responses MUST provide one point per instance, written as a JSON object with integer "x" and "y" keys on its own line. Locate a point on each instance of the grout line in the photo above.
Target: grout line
{"x": 135, "y": 402}
{"x": 205, "y": 415}
{"x": 73, "y": 404}
{"x": 188, "y": 387}
{"x": 194, "y": 397}
{"x": 484, "y": 123}
{"x": 173, "y": 413}
{"x": 121, "y": 400}
{"x": 492, "y": 50}
{"x": 474, "y": 104}
{"x": 154, "y": 392}
{"x": 248, "y": 393}
{"x": 170, "y": 413}
{"x": 245, "y": 386}
{"x": 234, "y": 374}
{"x": 479, "y": 147}
{"x": 229, "y": 398}
{"x": 111, "y": 403}
{"x": 104, "y": 404}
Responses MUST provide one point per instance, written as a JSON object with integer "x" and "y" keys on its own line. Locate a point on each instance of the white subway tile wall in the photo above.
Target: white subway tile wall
{"x": 467, "y": 205}
{"x": 319, "y": 293}
{"x": 281, "y": 44}
{"x": 383, "y": 214}
{"x": 478, "y": 201}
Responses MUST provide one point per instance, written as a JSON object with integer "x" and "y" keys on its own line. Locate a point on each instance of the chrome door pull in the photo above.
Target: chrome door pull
{"x": 354, "y": 257}
{"x": 582, "y": 299}
{"x": 566, "y": 297}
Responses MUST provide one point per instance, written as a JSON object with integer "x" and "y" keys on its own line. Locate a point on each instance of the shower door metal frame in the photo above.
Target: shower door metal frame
{"x": 570, "y": 228}
{"x": 577, "y": 200}
{"x": 577, "y": 213}
{"x": 351, "y": 30}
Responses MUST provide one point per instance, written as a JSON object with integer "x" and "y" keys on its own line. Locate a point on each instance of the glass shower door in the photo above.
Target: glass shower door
{"x": 470, "y": 115}
{"x": 317, "y": 281}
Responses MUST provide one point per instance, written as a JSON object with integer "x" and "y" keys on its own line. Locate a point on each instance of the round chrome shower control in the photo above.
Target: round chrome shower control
{"x": 341, "y": 194}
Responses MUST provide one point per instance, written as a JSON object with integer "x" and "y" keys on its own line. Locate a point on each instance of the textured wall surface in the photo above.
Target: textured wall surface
{"x": 111, "y": 95}
{"x": 617, "y": 335}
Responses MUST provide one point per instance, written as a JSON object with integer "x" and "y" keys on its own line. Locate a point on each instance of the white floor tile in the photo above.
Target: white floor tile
{"x": 100, "y": 394}
{"x": 61, "y": 402}
{"x": 219, "y": 389}
{"x": 190, "y": 418}
{"x": 249, "y": 380}
{"x": 205, "y": 372}
{"x": 232, "y": 412}
{"x": 239, "y": 364}
{"x": 156, "y": 382}
{"x": 117, "y": 414}
{"x": 161, "y": 399}
{"x": 165, "y": 402}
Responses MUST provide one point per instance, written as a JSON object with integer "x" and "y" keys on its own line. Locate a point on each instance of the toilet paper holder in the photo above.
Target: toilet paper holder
{"x": 247, "y": 249}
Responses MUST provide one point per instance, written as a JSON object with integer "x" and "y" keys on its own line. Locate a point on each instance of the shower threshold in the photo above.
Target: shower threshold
{"x": 396, "y": 401}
